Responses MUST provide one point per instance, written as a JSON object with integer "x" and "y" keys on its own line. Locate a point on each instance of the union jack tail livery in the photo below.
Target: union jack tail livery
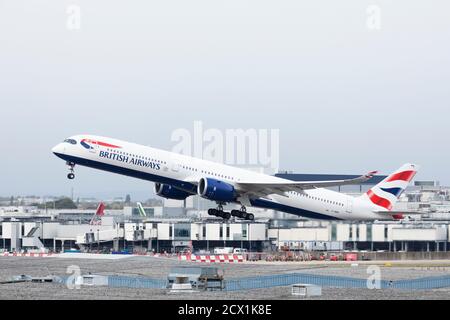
{"x": 385, "y": 194}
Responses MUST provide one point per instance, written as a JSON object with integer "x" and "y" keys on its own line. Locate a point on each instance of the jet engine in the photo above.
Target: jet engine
{"x": 169, "y": 192}
{"x": 216, "y": 190}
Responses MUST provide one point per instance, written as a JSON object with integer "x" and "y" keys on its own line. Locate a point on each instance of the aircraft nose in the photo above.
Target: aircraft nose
{"x": 59, "y": 148}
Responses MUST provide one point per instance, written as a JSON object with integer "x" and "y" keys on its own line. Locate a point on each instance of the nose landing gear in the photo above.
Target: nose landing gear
{"x": 71, "y": 174}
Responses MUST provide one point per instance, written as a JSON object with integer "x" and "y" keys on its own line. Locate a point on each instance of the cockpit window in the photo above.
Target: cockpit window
{"x": 71, "y": 141}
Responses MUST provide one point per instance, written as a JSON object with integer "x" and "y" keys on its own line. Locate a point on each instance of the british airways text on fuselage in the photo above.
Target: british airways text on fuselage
{"x": 129, "y": 160}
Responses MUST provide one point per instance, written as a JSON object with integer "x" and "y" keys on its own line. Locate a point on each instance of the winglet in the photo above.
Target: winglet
{"x": 371, "y": 174}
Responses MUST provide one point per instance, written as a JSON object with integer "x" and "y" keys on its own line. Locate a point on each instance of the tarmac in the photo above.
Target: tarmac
{"x": 159, "y": 268}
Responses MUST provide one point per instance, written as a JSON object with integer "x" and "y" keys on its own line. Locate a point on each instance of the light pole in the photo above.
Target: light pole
{"x": 118, "y": 239}
{"x": 90, "y": 240}
{"x": 249, "y": 238}
{"x": 98, "y": 240}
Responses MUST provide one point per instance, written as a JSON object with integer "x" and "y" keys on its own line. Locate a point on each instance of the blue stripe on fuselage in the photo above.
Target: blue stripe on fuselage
{"x": 267, "y": 204}
{"x": 188, "y": 187}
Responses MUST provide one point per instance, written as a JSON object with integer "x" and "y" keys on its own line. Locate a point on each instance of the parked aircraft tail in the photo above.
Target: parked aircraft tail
{"x": 96, "y": 219}
{"x": 141, "y": 209}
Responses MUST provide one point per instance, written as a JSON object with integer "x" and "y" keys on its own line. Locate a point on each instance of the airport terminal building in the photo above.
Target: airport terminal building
{"x": 179, "y": 225}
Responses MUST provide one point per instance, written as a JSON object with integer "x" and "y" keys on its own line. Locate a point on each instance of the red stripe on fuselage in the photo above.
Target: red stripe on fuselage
{"x": 103, "y": 144}
{"x": 402, "y": 176}
{"x": 107, "y": 145}
{"x": 379, "y": 201}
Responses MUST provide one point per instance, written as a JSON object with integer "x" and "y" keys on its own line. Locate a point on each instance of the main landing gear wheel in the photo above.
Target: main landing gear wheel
{"x": 71, "y": 174}
{"x": 242, "y": 214}
{"x": 219, "y": 213}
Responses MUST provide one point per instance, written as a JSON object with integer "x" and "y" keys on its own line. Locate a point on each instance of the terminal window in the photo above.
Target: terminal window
{"x": 182, "y": 232}
{"x": 369, "y": 233}
{"x": 333, "y": 232}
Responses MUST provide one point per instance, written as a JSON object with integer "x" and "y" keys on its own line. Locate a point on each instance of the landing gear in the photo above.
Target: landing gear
{"x": 242, "y": 214}
{"x": 71, "y": 174}
{"x": 219, "y": 213}
{"x": 249, "y": 216}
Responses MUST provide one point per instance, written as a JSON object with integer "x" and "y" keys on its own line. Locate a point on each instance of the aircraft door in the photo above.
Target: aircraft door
{"x": 349, "y": 208}
{"x": 174, "y": 164}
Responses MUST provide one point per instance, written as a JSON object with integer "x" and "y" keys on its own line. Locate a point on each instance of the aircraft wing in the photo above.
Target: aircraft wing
{"x": 263, "y": 189}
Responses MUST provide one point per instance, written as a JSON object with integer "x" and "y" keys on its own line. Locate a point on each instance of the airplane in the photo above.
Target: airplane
{"x": 178, "y": 176}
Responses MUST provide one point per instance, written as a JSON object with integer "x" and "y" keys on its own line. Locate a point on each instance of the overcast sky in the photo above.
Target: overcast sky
{"x": 347, "y": 98}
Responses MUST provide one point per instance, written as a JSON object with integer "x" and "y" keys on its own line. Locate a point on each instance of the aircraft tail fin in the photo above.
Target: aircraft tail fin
{"x": 96, "y": 219}
{"x": 141, "y": 209}
{"x": 100, "y": 210}
{"x": 387, "y": 192}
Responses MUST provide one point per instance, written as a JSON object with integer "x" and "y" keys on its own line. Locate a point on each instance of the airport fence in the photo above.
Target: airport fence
{"x": 422, "y": 283}
{"x": 123, "y": 282}
{"x": 261, "y": 282}
{"x": 332, "y": 281}
{"x": 290, "y": 279}
{"x": 136, "y": 282}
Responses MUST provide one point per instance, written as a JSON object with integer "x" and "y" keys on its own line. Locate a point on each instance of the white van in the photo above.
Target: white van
{"x": 226, "y": 250}
{"x": 239, "y": 251}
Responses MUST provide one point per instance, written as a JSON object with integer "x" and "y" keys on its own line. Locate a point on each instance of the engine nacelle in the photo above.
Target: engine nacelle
{"x": 216, "y": 190}
{"x": 169, "y": 192}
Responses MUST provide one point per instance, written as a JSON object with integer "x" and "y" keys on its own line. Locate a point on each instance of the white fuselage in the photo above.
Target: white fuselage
{"x": 183, "y": 172}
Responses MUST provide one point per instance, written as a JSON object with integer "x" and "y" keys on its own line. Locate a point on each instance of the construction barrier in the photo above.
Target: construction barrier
{"x": 222, "y": 258}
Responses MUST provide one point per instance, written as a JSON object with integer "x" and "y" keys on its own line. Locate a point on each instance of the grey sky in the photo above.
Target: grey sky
{"x": 346, "y": 99}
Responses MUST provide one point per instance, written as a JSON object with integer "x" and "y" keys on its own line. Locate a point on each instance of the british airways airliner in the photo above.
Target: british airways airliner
{"x": 178, "y": 177}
